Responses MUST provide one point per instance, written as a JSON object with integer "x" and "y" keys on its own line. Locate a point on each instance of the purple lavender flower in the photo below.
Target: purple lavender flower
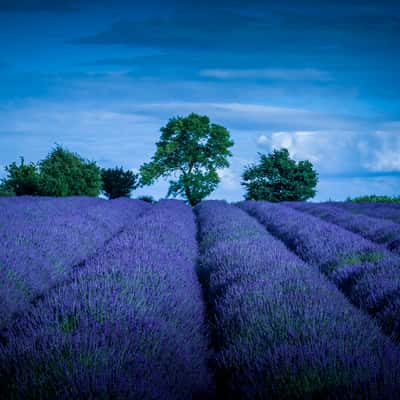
{"x": 43, "y": 239}
{"x": 386, "y": 211}
{"x": 377, "y": 230}
{"x": 279, "y": 329}
{"x": 129, "y": 325}
{"x": 366, "y": 272}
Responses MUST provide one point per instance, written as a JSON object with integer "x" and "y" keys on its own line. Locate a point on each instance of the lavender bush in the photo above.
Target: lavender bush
{"x": 129, "y": 325}
{"x": 366, "y": 272}
{"x": 280, "y": 330}
{"x": 43, "y": 239}
{"x": 375, "y": 229}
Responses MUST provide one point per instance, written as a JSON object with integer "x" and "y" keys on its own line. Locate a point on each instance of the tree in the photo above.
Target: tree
{"x": 64, "y": 173}
{"x": 279, "y": 178}
{"x": 22, "y": 179}
{"x": 192, "y": 150}
{"x": 118, "y": 183}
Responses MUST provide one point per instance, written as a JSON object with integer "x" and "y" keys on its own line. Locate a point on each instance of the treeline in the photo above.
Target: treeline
{"x": 373, "y": 198}
{"x": 191, "y": 151}
{"x": 64, "y": 173}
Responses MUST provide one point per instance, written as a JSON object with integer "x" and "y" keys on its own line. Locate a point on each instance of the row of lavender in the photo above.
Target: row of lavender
{"x": 366, "y": 272}
{"x": 129, "y": 325}
{"x": 377, "y": 230}
{"x": 42, "y": 239}
{"x": 389, "y": 211}
{"x": 278, "y": 327}
{"x": 130, "y": 322}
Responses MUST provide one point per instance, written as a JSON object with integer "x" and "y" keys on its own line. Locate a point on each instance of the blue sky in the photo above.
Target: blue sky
{"x": 102, "y": 77}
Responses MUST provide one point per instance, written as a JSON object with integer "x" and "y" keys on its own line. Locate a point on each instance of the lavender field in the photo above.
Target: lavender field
{"x": 124, "y": 299}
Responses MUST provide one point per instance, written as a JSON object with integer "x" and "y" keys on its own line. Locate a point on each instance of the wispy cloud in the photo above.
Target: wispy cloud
{"x": 95, "y": 132}
{"x": 268, "y": 73}
{"x": 132, "y": 61}
{"x": 250, "y": 116}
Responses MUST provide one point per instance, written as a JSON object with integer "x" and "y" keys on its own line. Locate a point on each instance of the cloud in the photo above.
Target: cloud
{"x": 333, "y": 154}
{"x": 263, "y": 140}
{"x": 267, "y": 73}
{"x": 218, "y": 31}
{"x": 381, "y": 153}
{"x": 171, "y": 59}
{"x": 309, "y": 145}
{"x": 276, "y": 30}
{"x": 124, "y": 61}
{"x": 328, "y": 151}
{"x": 352, "y": 165}
{"x": 303, "y": 144}
{"x": 122, "y": 133}
{"x": 95, "y": 132}
{"x": 155, "y": 33}
{"x": 230, "y": 181}
{"x": 248, "y": 116}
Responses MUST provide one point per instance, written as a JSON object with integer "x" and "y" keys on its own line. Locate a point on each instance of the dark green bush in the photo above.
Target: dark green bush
{"x": 118, "y": 183}
{"x": 63, "y": 173}
{"x": 149, "y": 199}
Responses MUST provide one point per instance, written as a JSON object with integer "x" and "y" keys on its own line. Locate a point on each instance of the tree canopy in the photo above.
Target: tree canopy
{"x": 192, "y": 150}
{"x": 64, "y": 173}
{"x": 118, "y": 183}
{"x": 22, "y": 179}
{"x": 277, "y": 177}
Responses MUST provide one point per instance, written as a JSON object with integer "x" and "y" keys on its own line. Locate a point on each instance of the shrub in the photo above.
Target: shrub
{"x": 147, "y": 198}
{"x": 118, "y": 183}
{"x": 63, "y": 173}
{"x": 21, "y": 179}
